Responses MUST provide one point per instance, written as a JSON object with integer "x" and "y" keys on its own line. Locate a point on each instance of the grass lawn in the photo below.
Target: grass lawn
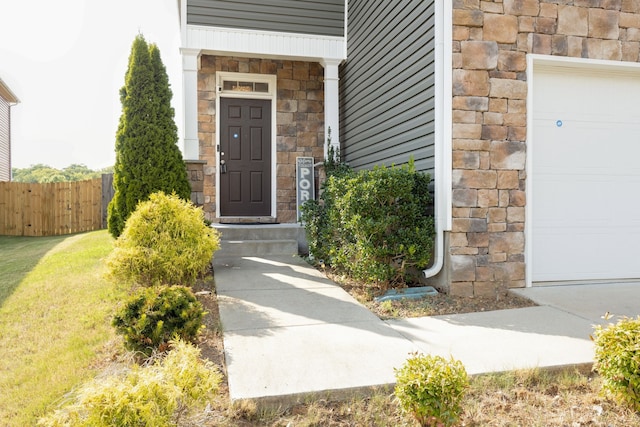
{"x": 55, "y": 309}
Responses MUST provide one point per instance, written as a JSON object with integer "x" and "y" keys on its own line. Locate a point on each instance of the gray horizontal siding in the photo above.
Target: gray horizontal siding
{"x": 320, "y": 17}
{"x": 387, "y": 84}
{"x": 5, "y": 149}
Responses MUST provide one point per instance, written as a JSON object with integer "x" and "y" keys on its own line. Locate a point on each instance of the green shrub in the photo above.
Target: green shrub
{"x": 152, "y": 317}
{"x": 160, "y": 394}
{"x": 373, "y": 224}
{"x": 617, "y": 360}
{"x": 431, "y": 388}
{"x": 148, "y": 158}
{"x": 165, "y": 241}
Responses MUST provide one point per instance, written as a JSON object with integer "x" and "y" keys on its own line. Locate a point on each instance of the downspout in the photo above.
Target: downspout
{"x": 442, "y": 169}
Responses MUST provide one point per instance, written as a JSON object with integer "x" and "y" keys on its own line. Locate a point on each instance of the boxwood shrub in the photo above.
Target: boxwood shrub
{"x": 372, "y": 224}
{"x": 431, "y": 388}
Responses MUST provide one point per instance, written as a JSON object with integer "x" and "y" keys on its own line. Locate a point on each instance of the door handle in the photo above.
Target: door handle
{"x": 223, "y": 166}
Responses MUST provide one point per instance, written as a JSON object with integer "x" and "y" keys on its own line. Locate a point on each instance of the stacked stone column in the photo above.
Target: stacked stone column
{"x": 490, "y": 42}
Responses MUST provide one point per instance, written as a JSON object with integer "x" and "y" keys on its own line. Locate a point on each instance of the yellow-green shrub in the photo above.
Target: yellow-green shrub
{"x": 165, "y": 241}
{"x": 431, "y": 388}
{"x": 161, "y": 394}
{"x": 152, "y": 317}
{"x": 617, "y": 360}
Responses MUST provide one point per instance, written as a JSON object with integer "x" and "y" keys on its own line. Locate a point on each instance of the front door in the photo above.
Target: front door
{"x": 245, "y": 157}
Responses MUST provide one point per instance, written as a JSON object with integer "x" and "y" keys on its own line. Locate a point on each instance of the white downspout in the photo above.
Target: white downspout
{"x": 443, "y": 105}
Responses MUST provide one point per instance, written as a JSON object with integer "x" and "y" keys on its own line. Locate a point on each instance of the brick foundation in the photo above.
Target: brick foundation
{"x": 299, "y": 123}
{"x": 490, "y": 42}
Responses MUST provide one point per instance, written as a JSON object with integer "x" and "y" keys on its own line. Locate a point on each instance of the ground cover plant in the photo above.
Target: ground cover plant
{"x": 54, "y": 319}
{"x": 165, "y": 392}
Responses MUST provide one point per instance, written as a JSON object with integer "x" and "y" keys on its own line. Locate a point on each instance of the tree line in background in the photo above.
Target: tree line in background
{"x": 44, "y": 173}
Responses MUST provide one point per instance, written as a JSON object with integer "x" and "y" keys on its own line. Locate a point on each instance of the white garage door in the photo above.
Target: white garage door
{"x": 585, "y": 198}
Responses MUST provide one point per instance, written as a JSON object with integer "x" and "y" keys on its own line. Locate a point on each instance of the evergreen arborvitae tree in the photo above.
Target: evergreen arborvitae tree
{"x": 147, "y": 155}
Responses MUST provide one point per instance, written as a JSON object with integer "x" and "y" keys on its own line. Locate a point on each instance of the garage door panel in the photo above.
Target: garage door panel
{"x": 565, "y": 259}
{"x": 585, "y": 176}
{"x": 564, "y": 204}
{"x": 557, "y": 250}
{"x": 627, "y": 255}
{"x": 591, "y": 147}
{"x": 605, "y": 87}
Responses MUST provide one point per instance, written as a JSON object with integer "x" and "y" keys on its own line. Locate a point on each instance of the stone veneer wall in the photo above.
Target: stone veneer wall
{"x": 299, "y": 122}
{"x": 490, "y": 43}
{"x": 195, "y": 175}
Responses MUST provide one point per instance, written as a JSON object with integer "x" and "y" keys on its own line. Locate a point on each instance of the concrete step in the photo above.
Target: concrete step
{"x": 257, "y": 247}
{"x": 260, "y": 239}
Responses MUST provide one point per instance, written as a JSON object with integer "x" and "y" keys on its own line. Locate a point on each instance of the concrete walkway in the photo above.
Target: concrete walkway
{"x": 289, "y": 332}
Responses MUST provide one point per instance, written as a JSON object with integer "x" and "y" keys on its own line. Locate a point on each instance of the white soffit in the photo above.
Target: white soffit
{"x": 265, "y": 43}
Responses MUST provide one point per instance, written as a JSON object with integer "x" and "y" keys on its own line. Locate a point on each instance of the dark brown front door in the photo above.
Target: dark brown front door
{"x": 245, "y": 157}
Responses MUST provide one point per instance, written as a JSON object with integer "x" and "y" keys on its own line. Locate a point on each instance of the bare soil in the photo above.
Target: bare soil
{"x": 529, "y": 398}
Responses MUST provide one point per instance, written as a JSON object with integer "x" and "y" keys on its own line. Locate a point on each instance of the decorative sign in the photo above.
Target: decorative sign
{"x": 304, "y": 181}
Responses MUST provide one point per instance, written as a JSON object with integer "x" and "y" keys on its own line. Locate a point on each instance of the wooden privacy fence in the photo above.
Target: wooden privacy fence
{"x": 28, "y": 209}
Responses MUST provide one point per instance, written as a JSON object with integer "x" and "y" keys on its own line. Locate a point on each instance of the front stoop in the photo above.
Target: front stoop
{"x": 260, "y": 239}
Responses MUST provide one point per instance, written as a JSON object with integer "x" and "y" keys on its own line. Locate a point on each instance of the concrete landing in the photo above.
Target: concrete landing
{"x": 289, "y": 333}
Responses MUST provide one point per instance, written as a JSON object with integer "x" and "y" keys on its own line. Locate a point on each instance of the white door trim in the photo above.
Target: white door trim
{"x": 561, "y": 64}
{"x": 271, "y": 79}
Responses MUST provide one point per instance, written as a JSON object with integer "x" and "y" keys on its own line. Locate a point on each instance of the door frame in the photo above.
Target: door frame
{"x": 562, "y": 64}
{"x": 271, "y": 80}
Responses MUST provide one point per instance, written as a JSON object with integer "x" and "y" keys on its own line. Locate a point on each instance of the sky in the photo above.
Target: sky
{"x": 65, "y": 60}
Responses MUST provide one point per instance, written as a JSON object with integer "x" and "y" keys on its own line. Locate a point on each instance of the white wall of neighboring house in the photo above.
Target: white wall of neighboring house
{"x": 7, "y": 99}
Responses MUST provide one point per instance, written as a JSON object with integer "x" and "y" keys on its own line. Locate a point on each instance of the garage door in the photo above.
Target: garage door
{"x": 585, "y": 165}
